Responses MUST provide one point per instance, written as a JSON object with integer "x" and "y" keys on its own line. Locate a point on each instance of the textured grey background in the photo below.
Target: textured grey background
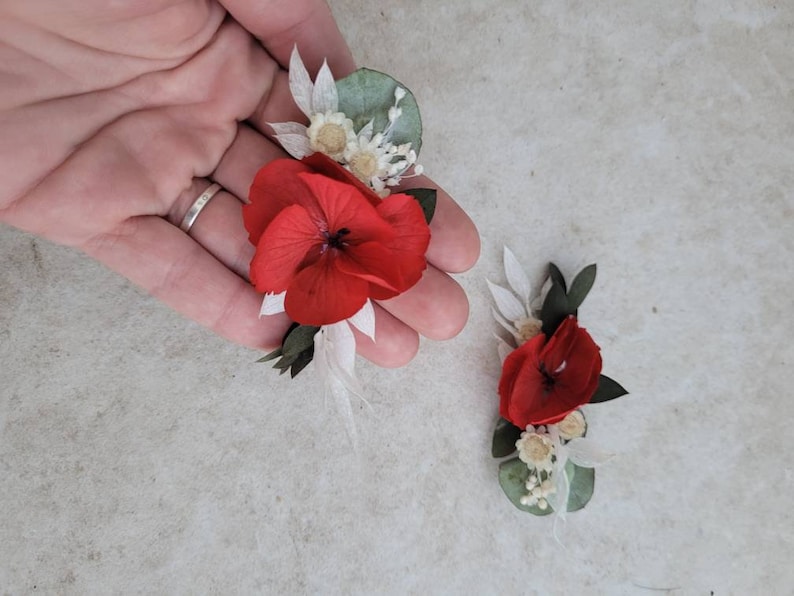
{"x": 139, "y": 453}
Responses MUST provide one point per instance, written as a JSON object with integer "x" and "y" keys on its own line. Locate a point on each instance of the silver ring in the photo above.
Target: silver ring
{"x": 197, "y": 206}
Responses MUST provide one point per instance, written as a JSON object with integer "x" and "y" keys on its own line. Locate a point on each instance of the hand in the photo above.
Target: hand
{"x": 114, "y": 117}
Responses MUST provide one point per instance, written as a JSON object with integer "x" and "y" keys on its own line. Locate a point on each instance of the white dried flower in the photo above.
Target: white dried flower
{"x": 527, "y": 328}
{"x": 330, "y": 133}
{"x": 572, "y": 426}
{"x": 535, "y": 448}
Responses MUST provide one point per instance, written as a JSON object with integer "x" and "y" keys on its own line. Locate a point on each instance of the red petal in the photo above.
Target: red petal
{"x": 408, "y": 220}
{"x": 377, "y": 292}
{"x": 282, "y": 249}
{"x": 321, "y": 294}
{"x": 556, "y": 350}
{"x": 576, "y": 382}
{"x": 374, "y": 263}
{"x": 521, "y": 383}
{"x": 275, "y": 187}
{"x": 343, "y": 206}
{"x": 323, "y": 164}
{"x": 583, "y": 358}
{"x": 412, "y": 239}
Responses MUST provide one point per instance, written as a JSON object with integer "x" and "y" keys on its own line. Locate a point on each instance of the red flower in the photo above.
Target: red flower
{"x": 543, "y": 381}
{"x": 329, "y": 241}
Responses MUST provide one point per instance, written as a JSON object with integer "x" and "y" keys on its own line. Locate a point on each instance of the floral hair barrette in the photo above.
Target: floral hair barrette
{"x": 551, "y": 371}
{"x": 330, "y": 234}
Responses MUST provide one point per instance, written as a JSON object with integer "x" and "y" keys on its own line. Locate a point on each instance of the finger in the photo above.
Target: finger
{"x": 282, "y": 24}
{"x": 249, "y": 152}
{"x": 395, "y": 343}
{"x": 219, "y": 226}
{"x": 454, "y": 241}
{"x": 436, "y": 307}
{"x": 189, "y": 279}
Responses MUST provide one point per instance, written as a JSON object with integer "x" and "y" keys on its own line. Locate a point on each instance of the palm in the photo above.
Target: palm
{"x": 109, "y": 157}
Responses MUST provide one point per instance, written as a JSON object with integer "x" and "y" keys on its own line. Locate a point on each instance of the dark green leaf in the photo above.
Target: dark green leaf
{"x": 299, "y": 339}
{"x": 505, "y": 436}
{"x": 285, "y": 362}
{"x": 368, "y": 94}
{"x": 556, "y": 276}
{"x": 607, "y": 390}
{"x": 426, "y": 197}
{"x": 581, "y": 286}
{"x": 555, "y": 309}
{"x": 302, "y": 361}
{"x": 271, "y": 356}
{"x": 513, "y": 476}
{"x": 296, "y": 351}
{"x": 582, "y": 482}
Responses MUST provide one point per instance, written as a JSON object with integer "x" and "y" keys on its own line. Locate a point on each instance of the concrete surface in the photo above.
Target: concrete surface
{"x": 141, "y": 454}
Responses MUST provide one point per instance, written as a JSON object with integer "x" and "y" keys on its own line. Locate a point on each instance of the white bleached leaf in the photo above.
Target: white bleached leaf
{"x": 288, "y": 128}
{"x": 559, "y": 498}
{"x": 334, "y": 358}
{"x": 325, "y": 97}
{"x": 516, "y": 276}
{"x": 537, "y": 304}
{"x": 510, "y": 306}
{"x": 272, "y": 304}
{"x": 506, "y": 324}
{"x": 340, "y": 348}
{"x": 344, "y": 346}
{"x": 366, "y": 131}
{"x": 300, "y": 84}
{"x": 584, "y": 452}
{"x": 503, "y": 348}
{"x": 341, "y": 397}
{"x": 364, "y": 320}
{"x": 296, "y": 145}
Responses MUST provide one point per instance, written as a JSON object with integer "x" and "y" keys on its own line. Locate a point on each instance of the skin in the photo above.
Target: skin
{"x": 115, "y": 116}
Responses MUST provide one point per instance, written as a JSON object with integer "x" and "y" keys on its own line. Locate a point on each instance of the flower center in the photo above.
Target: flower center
{"x": 364, "y": 165}
{"x": 331, "y": 138}
{"x": 528, "y": 328}
{"x": 336, "y": 240}
{"x": 548, "y": 378}
{"x": 537, "y": 449}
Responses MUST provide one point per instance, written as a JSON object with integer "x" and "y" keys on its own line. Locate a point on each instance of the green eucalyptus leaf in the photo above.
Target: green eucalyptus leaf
{"x": 299, "y": 339}
{"x": 426, "y": 197}
{"x": 555, "y": 309}
{"x": 505, "y": 436}
{"x": 368, "y": 94}
{"x": 581, "y": 286}
{"x": 557, "y": 277}
{"x": 513, "y": 476}
{"x": 582, "y": 483}
{"x": 607, "y": 389}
